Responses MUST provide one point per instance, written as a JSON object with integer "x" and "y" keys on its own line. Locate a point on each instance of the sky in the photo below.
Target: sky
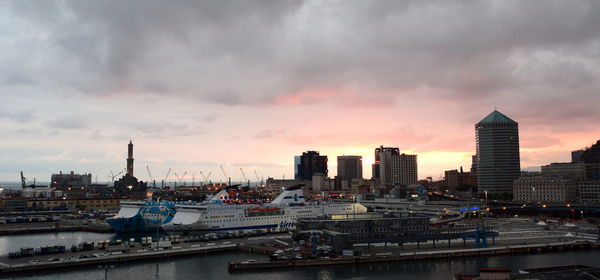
{"x": 250, "y": 84}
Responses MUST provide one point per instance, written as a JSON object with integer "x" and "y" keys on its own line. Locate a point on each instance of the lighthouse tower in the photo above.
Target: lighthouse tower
{"x": 130, "y": 159}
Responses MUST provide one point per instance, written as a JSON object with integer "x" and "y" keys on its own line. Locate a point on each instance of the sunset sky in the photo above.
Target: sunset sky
{"x": 251, "y": 84}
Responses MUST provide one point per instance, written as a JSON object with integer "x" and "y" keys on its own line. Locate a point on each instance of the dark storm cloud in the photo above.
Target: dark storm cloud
{"x": 247, "y": 52}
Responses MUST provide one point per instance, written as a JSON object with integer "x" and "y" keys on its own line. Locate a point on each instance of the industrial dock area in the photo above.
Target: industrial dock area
{"x": 518, "y": 237}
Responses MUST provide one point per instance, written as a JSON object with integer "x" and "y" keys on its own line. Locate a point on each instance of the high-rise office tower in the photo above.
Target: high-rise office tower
{"x": 349, "y": 167}
{"x": 498, "y": 161}
{"x": 311, "y": 163}
{"x": 297, "y": 161}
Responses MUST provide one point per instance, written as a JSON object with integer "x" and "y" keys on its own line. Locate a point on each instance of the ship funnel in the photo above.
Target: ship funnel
{"x": 293, "y": 195}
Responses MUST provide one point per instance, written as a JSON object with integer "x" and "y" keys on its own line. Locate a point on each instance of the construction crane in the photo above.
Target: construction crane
{"x": 150, "y": 175}
{"x": 227, "y": 179}
{"x": 162, "y": 184}
{"x": 244, "y": 175}
{"x": 205, "y": 177}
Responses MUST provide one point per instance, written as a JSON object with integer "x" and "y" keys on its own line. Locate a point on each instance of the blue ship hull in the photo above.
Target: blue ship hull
{"x": 133, "y": 224}
{"x": 149, "y": 217}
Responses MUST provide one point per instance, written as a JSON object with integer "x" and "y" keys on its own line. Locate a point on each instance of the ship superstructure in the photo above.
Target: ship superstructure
{"x": 281, "y": 213}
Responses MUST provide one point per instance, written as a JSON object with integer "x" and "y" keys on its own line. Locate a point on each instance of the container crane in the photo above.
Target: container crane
{"x": 162, "y": 184}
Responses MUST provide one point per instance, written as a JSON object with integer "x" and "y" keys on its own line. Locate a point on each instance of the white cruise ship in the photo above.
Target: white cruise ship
{"x": 279, "y": 214}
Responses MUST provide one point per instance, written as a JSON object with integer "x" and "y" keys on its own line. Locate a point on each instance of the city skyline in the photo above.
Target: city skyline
{"x": 195, "y": 89}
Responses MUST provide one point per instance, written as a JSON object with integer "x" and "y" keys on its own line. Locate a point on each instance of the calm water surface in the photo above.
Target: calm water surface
{"x": 215, "y": 266}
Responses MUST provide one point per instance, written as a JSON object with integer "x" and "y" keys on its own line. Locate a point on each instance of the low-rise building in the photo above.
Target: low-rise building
{"x": 568, "y": 170}
{"x": 71, "y": 204}
{"x": 589, "y": 191}
{"x": 545, "y": 189}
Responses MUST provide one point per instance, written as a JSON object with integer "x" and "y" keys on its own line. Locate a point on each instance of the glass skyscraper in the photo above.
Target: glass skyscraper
{"x": 498, "y": 160}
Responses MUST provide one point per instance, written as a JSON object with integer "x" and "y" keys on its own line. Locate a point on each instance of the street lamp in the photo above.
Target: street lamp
{"x": 130, "y": 187}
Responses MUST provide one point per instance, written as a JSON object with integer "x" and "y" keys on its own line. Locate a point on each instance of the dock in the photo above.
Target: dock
{"x": 419, "y": 255}
{"x": 118, "y": 257}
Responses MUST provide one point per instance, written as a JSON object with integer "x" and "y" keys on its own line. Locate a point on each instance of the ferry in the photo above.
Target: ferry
{"x": 138, "y": 216}
{"x": 280, "y": 214}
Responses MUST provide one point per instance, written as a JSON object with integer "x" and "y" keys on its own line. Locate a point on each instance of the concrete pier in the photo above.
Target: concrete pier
{"x": 119, "y": 257}
{"x": 421, "y": 255}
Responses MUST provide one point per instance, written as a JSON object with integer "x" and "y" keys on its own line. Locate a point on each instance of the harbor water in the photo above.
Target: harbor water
{"x": 214, "y": 266}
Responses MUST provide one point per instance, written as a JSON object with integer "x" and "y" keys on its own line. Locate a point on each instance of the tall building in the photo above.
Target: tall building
{"x": 297, "y": 160}
{"x": 376, "y": 167}
{"x": 498, "y": 161}
{"x": 311, "y": 163}
{"x": 349, "y": 167}
{"x": 395, "y": 168}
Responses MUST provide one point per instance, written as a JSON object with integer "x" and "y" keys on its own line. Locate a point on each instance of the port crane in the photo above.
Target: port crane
{"x": 23, "y": 180}
{"x": 162, "y": 184}
{"x": 227, "y": 179}
{"x": 244, "y": 175}
{"x": 206, "y": 177}
{"x": 113, "y": 176}
{"x": 258, "y": 179}
{"x": 180, "y": 179}
{"x": 150, "y": 175}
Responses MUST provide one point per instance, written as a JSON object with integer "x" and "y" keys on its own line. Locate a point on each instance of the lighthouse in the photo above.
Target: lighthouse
{"x": 130, "y": 159}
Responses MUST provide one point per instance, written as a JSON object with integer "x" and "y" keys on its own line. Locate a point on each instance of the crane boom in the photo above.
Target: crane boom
{"x": 149, "y": 174}
{"x": 243, "y": 174}
{"x": 256, "y": 174}
{"x": 168, "y": 172}
{"x": 224, "y": 174}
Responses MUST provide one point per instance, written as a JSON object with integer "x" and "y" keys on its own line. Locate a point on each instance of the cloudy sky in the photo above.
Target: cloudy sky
{"x": 252, "y": 83}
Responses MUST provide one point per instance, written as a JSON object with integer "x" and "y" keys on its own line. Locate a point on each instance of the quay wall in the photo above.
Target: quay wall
{"x": 423, "y": 255}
